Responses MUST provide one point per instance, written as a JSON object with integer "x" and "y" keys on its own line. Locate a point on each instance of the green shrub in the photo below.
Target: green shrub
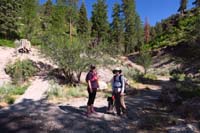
{"x": 74, "y": 57}
{"x": 13, "y": 90}
{"x": 9, "y": 100}
{"x": 177, "y": 75}
{"x": 21, "y": 70}
{"x": 8, "y": 43}
{"x": 55, "y": 90}
{"x": 145, "y": 60}
{"x": 76, "y": 91}
{"x": 8, "y": 91}
{"x": 65, "y": 92}
{"x": 19, "y": 90}
{"x": 188, "y": 90}
{"x": 131, "y": 73}
{"x": 150, "y": 76}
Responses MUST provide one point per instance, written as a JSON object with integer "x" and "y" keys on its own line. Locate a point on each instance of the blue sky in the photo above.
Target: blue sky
{"x": 154, "y": 10}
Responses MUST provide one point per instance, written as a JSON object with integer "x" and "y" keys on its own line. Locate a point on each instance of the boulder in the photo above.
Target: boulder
{"x": 23, "y": 45}
{"x": 105, "y": 74}
{"x": 103, "y": 85}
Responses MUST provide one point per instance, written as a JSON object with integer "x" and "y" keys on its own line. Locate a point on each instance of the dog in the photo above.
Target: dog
{"x": 110, "y": 108}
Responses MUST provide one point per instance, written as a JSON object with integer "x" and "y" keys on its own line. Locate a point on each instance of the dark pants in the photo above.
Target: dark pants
{"x": 91, "y": 97}
{"x": 119, "y": 103}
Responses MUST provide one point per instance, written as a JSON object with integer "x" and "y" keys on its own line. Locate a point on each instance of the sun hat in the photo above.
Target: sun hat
{"x": 117, "y": 69}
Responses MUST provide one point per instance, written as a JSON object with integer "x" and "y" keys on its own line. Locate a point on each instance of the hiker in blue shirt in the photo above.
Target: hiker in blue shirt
{"x": 118, "y": 88}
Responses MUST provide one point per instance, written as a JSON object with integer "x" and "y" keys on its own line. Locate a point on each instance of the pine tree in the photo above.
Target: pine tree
{"x": 71, "y": 13}
{"x": 147, "y": 31}
{"x": 117, "y": 26}
{"x": 29, "y": 18}
{"x": 82, "y": 26}
{"x": 197, "y": 27}
{"x": 158, "y": 29}
{"x": 48, "y": 8}
{"x": 152, "y": 33}
{"x": 139, "y": 33}
{"x": 197, "y": 3}
{"x": 99, "y": 21}
{"x": 58, "y": 21}
{"x": 183, "y": 6}
{"x": 9, "y": 18}
{"x": 129, "y": 23}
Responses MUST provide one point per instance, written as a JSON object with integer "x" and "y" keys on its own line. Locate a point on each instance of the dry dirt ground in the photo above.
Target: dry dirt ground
{"x": 145, "y": 114}
{"x": 41, "y": 116}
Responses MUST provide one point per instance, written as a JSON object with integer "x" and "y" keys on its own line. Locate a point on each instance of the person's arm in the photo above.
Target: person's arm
{"x": 89, "y": 77}
{"x": 112, "y": 84}
{"x": 98, "y": 77}
{"x": 90, "y": 86}
{"x": 123, "y": 85}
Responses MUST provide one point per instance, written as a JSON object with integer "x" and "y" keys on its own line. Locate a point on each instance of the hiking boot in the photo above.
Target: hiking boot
{"x": 88, "y": 114}
{"x": 94, "y": 112}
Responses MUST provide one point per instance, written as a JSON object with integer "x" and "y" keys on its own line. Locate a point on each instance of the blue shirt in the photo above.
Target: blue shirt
{"x": 118, "y": 84}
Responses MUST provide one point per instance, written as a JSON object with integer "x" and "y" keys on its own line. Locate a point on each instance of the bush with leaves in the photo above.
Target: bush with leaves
{"x": 64, "y": 92}
{"x": 177, "y": 75}
{"x": 145, "y": 60}
{"x": 187, "y": 90}
{"x": 20, "y": 71}
{"x": 72, "y": 57}
{"x": 7, "y": 43}
{"x": 8, "y": 92}
{"x": 132, "y": 73}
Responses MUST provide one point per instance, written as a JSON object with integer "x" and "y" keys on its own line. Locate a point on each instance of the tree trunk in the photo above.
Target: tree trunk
{"x": 79, "y": 77}
{"x": 70, "y": 30}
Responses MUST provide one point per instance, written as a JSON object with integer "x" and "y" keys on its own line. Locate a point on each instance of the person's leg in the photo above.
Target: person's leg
{"x": 89, "y": 102}
{"x": 92, "y": 101}
{"x": 122, "y": 104}
{"x": 117, "y": 103}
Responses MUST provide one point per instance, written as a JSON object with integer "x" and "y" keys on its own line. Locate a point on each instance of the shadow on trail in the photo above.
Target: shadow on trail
{"x": 99, "y": 110}
{"x": 40, "y": 116}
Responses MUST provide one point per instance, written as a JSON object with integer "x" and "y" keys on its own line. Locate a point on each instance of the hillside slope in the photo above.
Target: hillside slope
{"x": 177, "y": 29}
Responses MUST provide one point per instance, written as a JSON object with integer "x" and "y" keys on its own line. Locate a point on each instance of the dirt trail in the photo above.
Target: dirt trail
{"x": 144, "y": 115}
{"x": 35, "y": 91}
{"x": 40, "y": 83}
{"x": 40, "y": 116}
